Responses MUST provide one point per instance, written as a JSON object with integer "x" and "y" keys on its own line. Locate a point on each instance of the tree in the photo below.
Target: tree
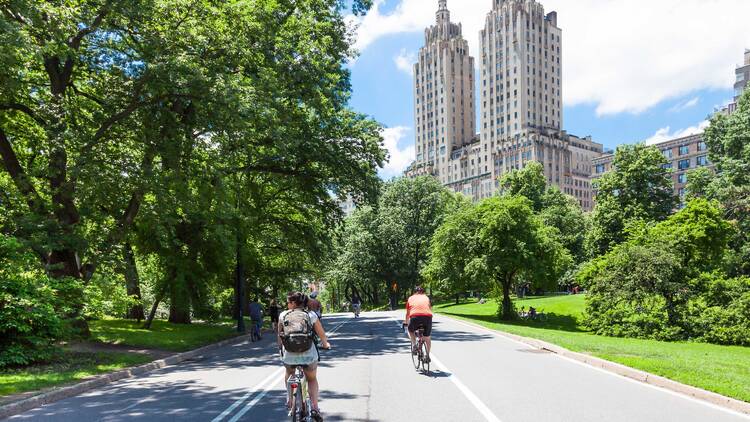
{"x": 528, "y": 182}
{"x": 556, "y": 208}
{"x": 729, "y": 150}
{"x": 108, "y": 121}
{"x": 409, "y": 212}
{"x": 644, "y": 286}
{"x": 639, "y": 188}
{"x": 504, "y": 242}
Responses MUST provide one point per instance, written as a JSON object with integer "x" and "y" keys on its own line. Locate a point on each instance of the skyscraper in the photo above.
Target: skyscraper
{"x": 444, "y": 106}
{"x": 520, "y": 89}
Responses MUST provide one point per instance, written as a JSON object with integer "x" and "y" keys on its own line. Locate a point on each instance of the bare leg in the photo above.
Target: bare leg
{"x": 312, "y": 385}
{"x": 428, "y": 343}
{"x": 413, "y": 339}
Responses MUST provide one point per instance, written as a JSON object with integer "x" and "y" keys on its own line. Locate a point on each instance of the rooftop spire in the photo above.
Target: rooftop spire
{"x": 443, "y": 14}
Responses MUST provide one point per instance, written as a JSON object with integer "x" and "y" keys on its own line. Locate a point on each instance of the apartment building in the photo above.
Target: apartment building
{"x": 521, "y": 116}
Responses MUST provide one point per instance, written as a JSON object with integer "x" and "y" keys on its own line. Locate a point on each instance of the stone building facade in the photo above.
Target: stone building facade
{"x": 521, "y": 118}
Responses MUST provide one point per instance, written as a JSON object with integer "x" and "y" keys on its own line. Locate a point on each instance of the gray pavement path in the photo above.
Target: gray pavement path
{"x": 368, "y": 376}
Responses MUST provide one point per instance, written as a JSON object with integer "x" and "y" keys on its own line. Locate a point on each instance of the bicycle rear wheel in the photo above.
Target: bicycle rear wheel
{"x": 415, "y": 358}
{"x": 423, "y": 357}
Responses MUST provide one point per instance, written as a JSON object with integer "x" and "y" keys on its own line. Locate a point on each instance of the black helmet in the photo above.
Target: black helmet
{"x": 419, "y": 289}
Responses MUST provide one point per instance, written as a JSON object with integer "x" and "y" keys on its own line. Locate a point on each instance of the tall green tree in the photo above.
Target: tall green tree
{"x": 114, "y": 108}
{"x": 728, "y": 140}
{"x": 505, "y": 242}
{"x": 639, "y": 188}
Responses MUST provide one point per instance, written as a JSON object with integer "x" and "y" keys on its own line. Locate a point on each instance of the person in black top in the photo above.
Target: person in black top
{"x": 273, "y": 310}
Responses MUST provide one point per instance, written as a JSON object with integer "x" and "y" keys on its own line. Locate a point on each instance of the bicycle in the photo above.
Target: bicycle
{"x": 297, "y": 389}
{"x": 356, "y": 309}
{"x": 255, "y": 333}
{"x": 301, "y": 403}
{"x": 420, "y": 359}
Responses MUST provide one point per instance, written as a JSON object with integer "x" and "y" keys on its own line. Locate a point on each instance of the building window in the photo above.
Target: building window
{"x": 684, "y": 150}
{"x": 682, "y": 178}
{"x": 667, "y": 153}
{"x": 684, "y": 164}
{"x": 702, "y": 160}
{"x": 702, "y": 146}
{"x": 666, "y": 166}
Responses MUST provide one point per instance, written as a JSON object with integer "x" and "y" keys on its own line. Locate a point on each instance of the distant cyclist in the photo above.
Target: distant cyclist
{"x": 314, "y": 305}
{"x": 419, "y": 315}
{"x": 296, "y": 328}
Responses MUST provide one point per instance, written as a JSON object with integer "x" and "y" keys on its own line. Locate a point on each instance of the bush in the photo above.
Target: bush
{"x": 30, "y": 303}
{"x": 722, "y": 314}
{"x": 106, "y": 296}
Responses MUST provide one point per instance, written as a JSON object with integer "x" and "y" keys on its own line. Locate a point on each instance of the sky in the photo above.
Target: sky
{"x": 633, "y": 70}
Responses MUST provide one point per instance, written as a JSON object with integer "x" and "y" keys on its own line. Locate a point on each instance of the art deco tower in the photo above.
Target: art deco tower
{"x": 521, "y": 80}
{"x": 444, "y": 110}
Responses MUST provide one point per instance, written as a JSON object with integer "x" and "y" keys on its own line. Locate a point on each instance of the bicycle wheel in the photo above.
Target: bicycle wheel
{"x": 423, "y": 356}
{"x": 415, "y": 358}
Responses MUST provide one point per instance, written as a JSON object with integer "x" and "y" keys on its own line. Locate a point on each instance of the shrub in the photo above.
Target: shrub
{"x": 30, "y": 303}
{"x": 722, "y": 314}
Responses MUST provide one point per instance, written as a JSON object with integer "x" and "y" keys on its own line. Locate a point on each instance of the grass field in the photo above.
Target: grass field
{"x": 162, "y": 335}
{"x": 70, "y": 367}
{"x": 722, "y": 369}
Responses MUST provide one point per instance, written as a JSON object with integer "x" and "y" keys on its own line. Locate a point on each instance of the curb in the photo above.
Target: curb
{"x": 625, "y": 371}
{"x": 62, "y": 393}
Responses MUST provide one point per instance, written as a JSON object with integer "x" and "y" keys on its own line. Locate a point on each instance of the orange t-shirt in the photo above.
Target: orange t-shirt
{"x": 418, "y": 305}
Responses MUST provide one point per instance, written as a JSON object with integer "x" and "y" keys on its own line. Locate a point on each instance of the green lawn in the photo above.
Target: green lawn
{"x": 163, "y": 335}
{"x": 70, "y": 367}
{"x": 722, "y": 369}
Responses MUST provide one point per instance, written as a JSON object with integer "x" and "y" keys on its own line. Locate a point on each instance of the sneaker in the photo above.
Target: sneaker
{"x": 427, "y": 359}
{"x": 315, "y": 414}
{"x": 414, "y": 350}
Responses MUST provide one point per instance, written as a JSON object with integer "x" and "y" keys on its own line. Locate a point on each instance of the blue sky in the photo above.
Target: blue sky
{"x": 618, "y": 88}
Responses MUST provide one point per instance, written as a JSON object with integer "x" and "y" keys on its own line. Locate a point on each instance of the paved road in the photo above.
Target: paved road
{"x": 368, "y": 377}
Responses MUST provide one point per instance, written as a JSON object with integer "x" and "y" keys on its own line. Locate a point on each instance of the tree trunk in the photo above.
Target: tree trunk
{"x": 133, "y": 285}
{"x": 507, "y": 306}
{"x": 152, "y": 314}
{"x": 458, "y": 298}
{"x": 239, "y": 292}
{"x": 179, "y": 300}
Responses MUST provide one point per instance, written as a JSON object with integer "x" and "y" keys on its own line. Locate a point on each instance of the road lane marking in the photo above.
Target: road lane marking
{"x": 261, "y": 389}
{"x": 473, "y": 399}
{"x": 604, "y": 371}
{"x": 236, "y": 404}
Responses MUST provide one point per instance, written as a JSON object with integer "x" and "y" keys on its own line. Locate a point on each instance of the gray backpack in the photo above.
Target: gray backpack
{"x": 296, "y": 331}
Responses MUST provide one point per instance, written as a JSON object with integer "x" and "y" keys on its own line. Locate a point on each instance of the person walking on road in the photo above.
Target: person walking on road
{"x": 296, "y": 328}
{"x": 274, "y": 310}
{"x": 419, "y": 314}
{"x": 356, "y": 305}
{"x": 314, "y": 305}
{"x": 256, "y": 316}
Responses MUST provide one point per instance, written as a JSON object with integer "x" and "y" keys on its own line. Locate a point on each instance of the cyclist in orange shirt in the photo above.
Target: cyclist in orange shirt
{"x": 419, "y": 314}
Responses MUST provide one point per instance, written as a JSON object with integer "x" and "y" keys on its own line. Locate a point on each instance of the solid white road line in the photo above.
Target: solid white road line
{"x": 473, "y": 399}
{"x": 604, "y": 371}
{"x": 262, "y": 389}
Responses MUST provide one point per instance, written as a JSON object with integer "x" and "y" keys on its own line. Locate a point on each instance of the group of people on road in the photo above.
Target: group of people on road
{"x": 300, "y": 333}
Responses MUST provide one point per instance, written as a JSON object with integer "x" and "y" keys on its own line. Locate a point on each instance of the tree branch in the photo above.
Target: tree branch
{"x": 23, "y": 109}
{"x": 75, "y": 41}
{"x": 19, "y": 177}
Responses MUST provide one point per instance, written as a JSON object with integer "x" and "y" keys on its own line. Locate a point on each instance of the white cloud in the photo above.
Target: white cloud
{"x": 405, "y": 61}
{"x": 620, "y": 55}
{"x": 685, "y": 105}
{"x": 399, "y": 158}
{"x": 664, "y": 133}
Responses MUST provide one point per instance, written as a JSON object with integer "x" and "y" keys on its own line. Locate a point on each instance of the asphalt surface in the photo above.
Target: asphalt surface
{"x": 368, "y": 376}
